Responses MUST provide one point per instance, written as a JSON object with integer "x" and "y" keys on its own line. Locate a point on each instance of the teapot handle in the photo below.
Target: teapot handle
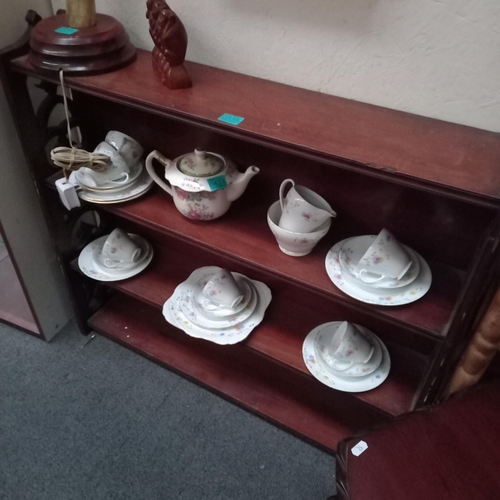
{"x": 151, "y": 171}
{"x": 282, "y": 189}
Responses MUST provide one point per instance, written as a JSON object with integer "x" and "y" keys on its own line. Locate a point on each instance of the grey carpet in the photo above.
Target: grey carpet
{"x": 97, "y": 421}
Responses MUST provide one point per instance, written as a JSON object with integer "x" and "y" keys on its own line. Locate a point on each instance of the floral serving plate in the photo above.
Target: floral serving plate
{"x": 172, "y": 312}
{"x": 319, "y": 368}
{"x": 354, "y": 248}
{"x": 379, "y": 296}
{"x": 88, "y": 265}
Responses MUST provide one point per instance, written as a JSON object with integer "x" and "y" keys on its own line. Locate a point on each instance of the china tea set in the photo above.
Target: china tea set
{"x": 377, "y": 269}
{"x": 115, "y": 257}
{"x": 124, "y": 179}
{"x": 217, "y": 305}
{"x": 223, "y": 307}
{"x": 346, "y": 357}
{"x": 299, "y": 219}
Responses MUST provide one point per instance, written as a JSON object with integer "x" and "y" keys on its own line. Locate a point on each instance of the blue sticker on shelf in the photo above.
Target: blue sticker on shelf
{"x": 231, "y": 119}
{"x": 64, "y": 30}
{"x": 216, "y": 183}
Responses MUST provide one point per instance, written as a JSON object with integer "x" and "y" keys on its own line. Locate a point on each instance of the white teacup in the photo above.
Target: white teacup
{"x": 222, "y": 289}
{"x": 294, "y": 244}
{"x": 130, "y": 150}
{"x": 385, "y": 257}
{"x": 117, "y": 171}
{"x": 348, "y": 347}
{"x": 303, "y": 210}
{"x": 119, "y": 248}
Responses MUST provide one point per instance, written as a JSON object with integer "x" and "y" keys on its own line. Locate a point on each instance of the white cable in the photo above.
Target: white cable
{"x": 73, "y": 158}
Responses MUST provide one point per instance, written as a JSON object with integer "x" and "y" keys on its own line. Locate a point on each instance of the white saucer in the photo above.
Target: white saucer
{"x": 345, "y": 384}
{"x": 134, "y": 172}
{"x": 140, "y": 186}
{"x": 210, "y": 309}
{"x": 323, "y": 340}
{"x": 99, "y": 258}
{"x": 90, "y": 268}
{"x": 382, "y": 297}
{"x": 354, "y": 248}
{"x": 174, "y": 315}
{"x": 194, "y": 316}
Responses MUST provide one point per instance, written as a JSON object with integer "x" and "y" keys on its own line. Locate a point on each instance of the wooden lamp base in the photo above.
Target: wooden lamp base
{"x": 100, "y": 48}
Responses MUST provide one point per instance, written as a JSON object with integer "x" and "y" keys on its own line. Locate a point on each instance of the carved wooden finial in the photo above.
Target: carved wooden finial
{"x": 170, "y": 39}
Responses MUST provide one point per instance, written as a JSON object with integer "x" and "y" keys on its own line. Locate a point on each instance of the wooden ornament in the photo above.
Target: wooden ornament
{"x": 170, "y": 39}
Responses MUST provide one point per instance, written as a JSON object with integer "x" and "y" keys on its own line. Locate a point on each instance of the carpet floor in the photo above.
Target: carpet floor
{"x": 95, "y": 421}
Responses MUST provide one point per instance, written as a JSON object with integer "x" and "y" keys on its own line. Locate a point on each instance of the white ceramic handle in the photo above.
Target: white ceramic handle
{"x": 124, "y": 181}
{"x": 151, "y": 171}
{"x": 369, "y": 281}
{"x": 112, "y": 263}
{"x": 349, "y": 364}
{"x": 282, "y": 189}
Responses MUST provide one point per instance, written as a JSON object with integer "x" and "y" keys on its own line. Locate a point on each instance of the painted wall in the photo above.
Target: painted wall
{"x": 20, "y": 212}
{"x": 436, "y": 58}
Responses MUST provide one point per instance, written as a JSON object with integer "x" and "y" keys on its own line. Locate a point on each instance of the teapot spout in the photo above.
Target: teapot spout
{"x": 238, "y": 186}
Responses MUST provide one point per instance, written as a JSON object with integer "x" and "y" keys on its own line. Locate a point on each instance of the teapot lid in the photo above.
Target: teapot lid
{"x": 201, "y": 164}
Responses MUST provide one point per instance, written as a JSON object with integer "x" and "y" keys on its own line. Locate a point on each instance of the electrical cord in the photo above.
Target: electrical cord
{"x": 72, "y": 158}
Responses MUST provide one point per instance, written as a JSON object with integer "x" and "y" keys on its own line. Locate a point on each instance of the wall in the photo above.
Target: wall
{"x": 20, "y": 213}
{"x": 436, "y": 58}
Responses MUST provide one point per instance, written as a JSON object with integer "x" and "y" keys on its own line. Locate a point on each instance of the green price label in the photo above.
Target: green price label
{"x": 64, "y": 30}
{"x": 218, "y": 182}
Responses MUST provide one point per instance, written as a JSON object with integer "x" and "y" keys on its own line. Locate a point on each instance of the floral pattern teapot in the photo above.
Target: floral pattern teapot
{"x": 202, "y": 184}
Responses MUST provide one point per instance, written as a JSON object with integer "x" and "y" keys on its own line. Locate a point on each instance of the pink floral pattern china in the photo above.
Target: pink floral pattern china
{"x": 91, "y": 263}
{"x": 378, "y": 296}
{"x": 232, "y": 334}
{"x": 354, "y": 248}
{"x": 322, "y": 372}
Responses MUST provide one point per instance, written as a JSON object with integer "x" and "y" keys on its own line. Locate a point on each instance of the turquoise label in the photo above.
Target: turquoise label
{"x": 64, "y": 30}
{"x": 216, "y": 183}
{"x": 231, "y": 119}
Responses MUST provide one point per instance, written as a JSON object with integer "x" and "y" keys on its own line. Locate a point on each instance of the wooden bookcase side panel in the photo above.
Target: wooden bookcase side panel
{"x": 310, "y": 410}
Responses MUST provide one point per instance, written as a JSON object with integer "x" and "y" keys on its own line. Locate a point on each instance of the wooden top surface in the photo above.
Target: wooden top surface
{"x": 448, "y": 453}
{"x": 375, "y": 139}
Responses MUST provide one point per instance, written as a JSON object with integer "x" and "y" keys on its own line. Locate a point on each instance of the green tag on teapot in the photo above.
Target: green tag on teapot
{"x": 216, "y": 183}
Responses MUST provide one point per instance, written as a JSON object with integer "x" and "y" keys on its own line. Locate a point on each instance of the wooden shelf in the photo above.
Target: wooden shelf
{"x": 243, "y": 235}
{"x": 378, "y": 141}
{"x": 311, "y": 411}
{"x": 280, "y": 336}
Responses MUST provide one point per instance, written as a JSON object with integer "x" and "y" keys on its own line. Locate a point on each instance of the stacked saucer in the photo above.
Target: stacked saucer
{"x": 359, "y": 272}
{"x": 138, "y": 183}
{"x": 193, "y": 309}
{"x": 115, "y": 257}
{"x": 346, "y": 357}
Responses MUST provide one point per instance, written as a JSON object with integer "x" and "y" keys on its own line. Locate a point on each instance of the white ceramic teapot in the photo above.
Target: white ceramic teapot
{"x": 202, "y": 184}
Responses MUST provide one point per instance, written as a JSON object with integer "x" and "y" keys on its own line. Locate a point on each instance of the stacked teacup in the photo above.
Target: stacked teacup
{"x": 346, "y": 356}
{"x": 217, "y": 305}
{"x": 123, "y": 169}
{"x": 299, "y": 220}
{"x": 116, "y": 256}
{"x": 378, "y": 262}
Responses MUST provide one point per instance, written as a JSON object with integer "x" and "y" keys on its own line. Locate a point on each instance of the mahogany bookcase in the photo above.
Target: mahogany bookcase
{"x": 435, "y": 185}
